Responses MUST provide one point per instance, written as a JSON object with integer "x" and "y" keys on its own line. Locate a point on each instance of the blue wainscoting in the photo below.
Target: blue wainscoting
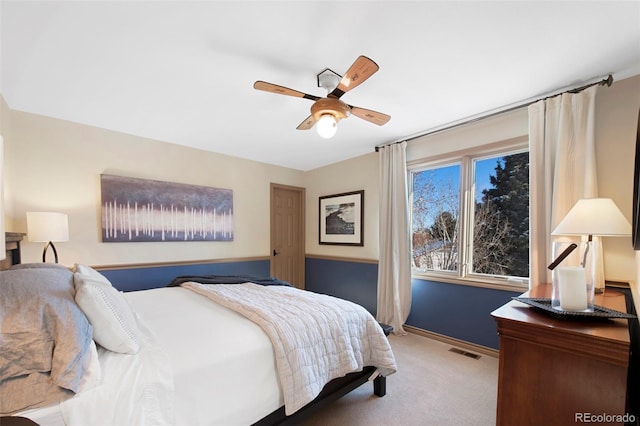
{"x": 353, "y": 281}
{"x": 143, "y": 278}
{"x": 458, "y": 311}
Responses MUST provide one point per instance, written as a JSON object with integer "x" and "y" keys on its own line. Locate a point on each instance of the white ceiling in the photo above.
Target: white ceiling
{"x": 183, "y": 71}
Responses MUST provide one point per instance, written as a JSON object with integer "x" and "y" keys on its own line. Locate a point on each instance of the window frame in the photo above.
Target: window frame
{"x": 465, "y": 158}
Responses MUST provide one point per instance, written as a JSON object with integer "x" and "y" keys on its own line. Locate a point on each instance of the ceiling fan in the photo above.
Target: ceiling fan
{"x": 327, "y": 111}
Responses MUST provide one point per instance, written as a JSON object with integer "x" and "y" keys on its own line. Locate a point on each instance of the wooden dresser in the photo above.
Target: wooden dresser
{"x": 12, "y": 249}
{"x": 553, "y": 370}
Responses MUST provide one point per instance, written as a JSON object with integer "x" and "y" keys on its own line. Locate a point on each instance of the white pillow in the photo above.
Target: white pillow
{"x": 80, "y": 279}
{"x": 114, "y": 324}
{"x": 88, "y": 273}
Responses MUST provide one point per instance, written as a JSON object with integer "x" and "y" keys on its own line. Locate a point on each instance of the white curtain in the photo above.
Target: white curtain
{"x": 394, "y": 268}
{"x": 562, "y": 170}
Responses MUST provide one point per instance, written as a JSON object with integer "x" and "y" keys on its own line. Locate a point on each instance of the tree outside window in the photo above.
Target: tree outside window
{"x": 436, "y": 205}
{"x": 498, "y": 222}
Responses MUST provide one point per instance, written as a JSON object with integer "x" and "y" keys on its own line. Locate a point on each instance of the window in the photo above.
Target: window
{"x": 470, "y": 215}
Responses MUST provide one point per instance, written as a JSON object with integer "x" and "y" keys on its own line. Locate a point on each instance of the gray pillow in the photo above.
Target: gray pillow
{"x": 38, "y": 265}
{"x": 45, "y": 338}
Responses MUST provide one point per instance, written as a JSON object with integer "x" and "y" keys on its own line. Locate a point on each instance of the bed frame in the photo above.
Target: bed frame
{"x": 331, "y": 392}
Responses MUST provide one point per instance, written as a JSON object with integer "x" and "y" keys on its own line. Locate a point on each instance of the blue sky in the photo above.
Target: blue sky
{"x": 451, "y": 174}
{"x": 484, "y": 169}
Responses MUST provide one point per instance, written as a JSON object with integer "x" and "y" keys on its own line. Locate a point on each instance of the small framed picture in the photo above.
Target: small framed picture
{"x": 341, "y": 219}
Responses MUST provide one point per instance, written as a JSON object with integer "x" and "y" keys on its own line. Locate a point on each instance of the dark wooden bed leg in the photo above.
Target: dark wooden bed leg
{"x": 380, "y": 386}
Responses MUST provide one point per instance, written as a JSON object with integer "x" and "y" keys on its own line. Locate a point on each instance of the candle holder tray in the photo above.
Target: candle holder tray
{"x": 599, "y": 312}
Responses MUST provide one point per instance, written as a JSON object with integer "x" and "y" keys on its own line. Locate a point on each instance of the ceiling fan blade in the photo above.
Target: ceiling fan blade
{"x": 362, "y": 69}
{"x": 369, "y": 115}
{"x": 281, "y": 90}
{"x": 307, "y": 123}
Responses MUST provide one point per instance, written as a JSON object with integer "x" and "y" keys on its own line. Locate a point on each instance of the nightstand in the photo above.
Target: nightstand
{"x": 557, "y": 372}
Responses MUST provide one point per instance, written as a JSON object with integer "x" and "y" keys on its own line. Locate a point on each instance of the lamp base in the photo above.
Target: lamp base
{"x": 44, "y": 252}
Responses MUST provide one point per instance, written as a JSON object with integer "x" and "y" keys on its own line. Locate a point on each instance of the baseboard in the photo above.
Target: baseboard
{"x": 471, "y": 347}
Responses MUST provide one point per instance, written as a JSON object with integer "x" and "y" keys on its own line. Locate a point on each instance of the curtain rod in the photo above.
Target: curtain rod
{"x": 521, "y": 104}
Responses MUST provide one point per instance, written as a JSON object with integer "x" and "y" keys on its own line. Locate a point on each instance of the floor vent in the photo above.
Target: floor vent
{"x": 465, "y": 353}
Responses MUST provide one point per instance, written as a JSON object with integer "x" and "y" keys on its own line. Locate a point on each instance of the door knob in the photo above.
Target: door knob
{"x": 275, "y": 253}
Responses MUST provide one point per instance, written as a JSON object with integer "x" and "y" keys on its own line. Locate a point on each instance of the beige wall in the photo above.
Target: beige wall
{"x": 5, "y": 131}
{"x": 362, "y": 173}
{"x": 493, "y": 129}
{"x": 59, "y": 164}
{"x": 616, "y": 126}
{"x": 616, "y": 118}
{"x": 346, "y": 176}
{"x": 59, "y": 170}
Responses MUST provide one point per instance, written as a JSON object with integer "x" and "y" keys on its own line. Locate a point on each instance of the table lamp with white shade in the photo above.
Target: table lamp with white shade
{"x": 594, "y": 216}
{"x": 47, "y": 227}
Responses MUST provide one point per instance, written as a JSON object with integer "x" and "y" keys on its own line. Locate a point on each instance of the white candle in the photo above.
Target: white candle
{"x": 572, "y": 281}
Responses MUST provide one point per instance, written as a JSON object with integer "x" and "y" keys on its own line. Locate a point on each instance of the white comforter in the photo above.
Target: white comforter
{"x": 136, "y": 390}
{"x": 200, "y": 364}
{"x": 316, "y": 338}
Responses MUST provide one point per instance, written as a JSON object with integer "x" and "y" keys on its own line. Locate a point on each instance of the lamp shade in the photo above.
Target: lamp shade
{"x": 47, "y": 226}
{"x": 594, "y": 216}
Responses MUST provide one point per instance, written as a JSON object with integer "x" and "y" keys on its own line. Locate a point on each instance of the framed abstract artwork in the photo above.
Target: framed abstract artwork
{"x": 341, "y": 219}
{"x": 139, "y": 210}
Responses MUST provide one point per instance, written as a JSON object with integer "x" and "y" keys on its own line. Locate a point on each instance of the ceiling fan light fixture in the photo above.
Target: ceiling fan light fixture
{"x": 327, "y": 126}
{"x": 327, "y": 111}
{"x": 328, "y": 79}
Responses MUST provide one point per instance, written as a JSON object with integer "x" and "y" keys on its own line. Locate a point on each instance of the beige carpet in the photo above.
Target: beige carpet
{"x": 433, "y": 386}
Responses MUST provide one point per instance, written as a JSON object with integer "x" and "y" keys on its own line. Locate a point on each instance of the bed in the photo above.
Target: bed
{"x": 194, "y": 353}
